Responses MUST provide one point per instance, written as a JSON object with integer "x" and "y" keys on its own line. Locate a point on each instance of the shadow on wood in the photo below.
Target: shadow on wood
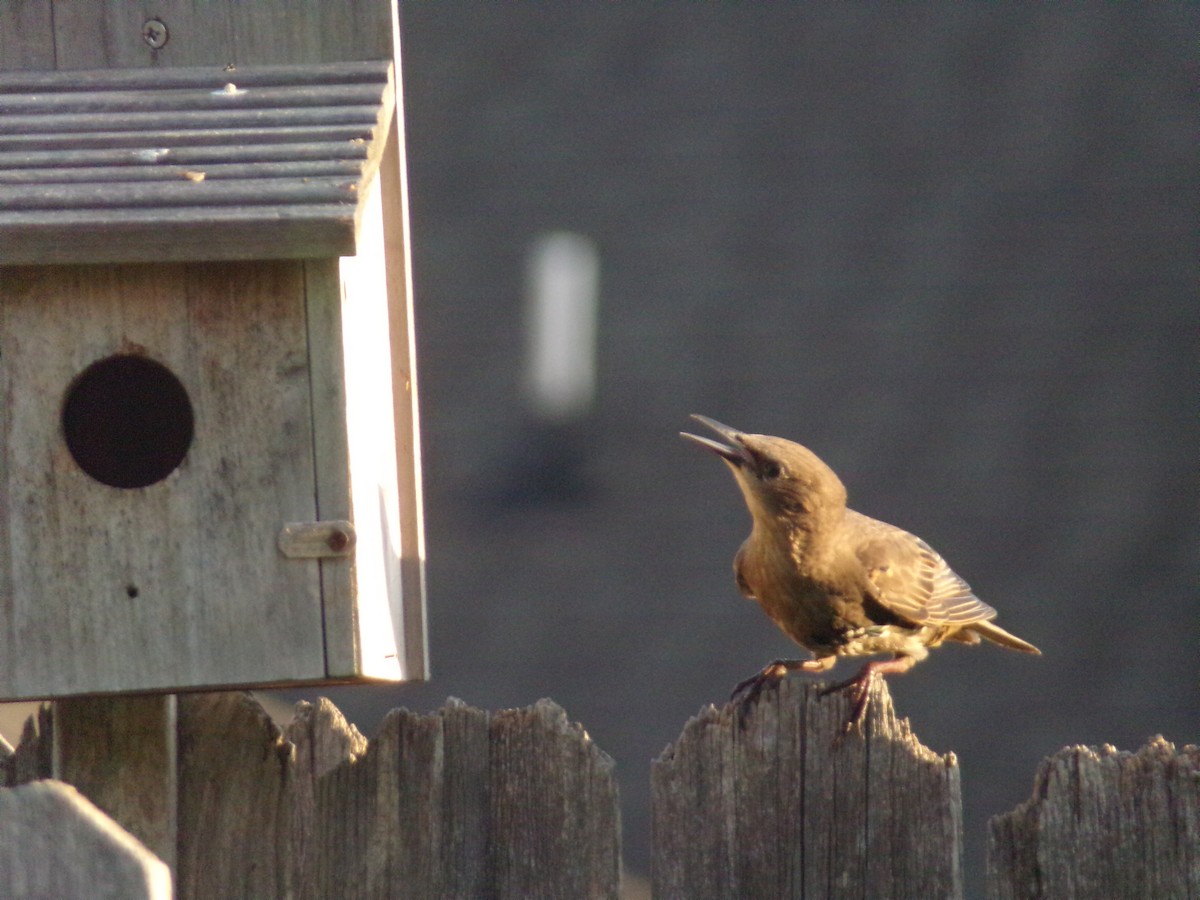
{"x": 459, "y": 803}
{"x": 31, "y": 759}
{"x": 520, "y": 803}
{"x": 1103, "y": 823}
{"x": 119, "y": 751}
{"x": 783, "y": 806}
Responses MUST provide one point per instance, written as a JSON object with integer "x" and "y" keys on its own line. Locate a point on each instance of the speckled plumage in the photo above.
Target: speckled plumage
{"x": 839, "y": 583}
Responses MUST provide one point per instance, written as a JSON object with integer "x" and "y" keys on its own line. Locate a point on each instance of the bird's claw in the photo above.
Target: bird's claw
{"x": 745, "y": 695}
{"x": 860, "y": 693}
{"x": 751, "y": 687}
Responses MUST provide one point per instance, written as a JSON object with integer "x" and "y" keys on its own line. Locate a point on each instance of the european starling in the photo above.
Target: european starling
{"x": 837, "y": 582}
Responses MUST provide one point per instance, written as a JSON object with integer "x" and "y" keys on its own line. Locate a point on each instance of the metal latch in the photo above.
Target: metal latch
{"x": 315, "y": 540}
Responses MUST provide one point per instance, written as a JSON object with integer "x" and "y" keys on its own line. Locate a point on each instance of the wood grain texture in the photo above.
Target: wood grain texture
{"x": 367, "y": 420}
{"x": 235, "y": 808}
{"x": 459, "y": 803}
{"x": 393, "y": 187}
{"x": 300, "y": 231}
{"x": 331, "y": 456}
{"x": 1103, "y": 823}
{"x": 55, "y": 843}
{"x": 26, "y": 35}
{"x": 289, "y": 370}
{"x": 26, "y": 31}
{"x": 120, "y": 753}
{"x": 176, "y": 166}
{"x": 781, "y": 807}
{"x": 516, "y": 804}
{"x": 323, "y": 740}
{"x": 179, "y": 583}
{"x": 108, "y": 33}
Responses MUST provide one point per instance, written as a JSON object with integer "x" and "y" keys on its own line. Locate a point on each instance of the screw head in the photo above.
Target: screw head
{"x": 154, "y": 33}
{"x": 338, "y": 541}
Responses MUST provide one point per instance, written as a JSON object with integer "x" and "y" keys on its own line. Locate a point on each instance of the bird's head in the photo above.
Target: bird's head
{"x": 780, "y": 479}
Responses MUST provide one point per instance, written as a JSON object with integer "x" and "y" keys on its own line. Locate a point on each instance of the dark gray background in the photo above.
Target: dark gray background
{"x": 950, "y": 248}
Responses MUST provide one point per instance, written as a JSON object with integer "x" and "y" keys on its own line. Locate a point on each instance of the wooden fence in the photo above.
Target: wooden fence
{"x": 521, "y": 804}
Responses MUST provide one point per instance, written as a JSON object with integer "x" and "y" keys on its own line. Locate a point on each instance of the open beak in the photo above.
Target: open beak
{"x": 733, "y": 452}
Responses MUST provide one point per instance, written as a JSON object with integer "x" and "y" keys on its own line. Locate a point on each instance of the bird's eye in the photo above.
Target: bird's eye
{"x": 769, "y": 469}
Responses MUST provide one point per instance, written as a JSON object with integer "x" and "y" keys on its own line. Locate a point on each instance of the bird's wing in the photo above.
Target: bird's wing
{"x": 910, "y": 578}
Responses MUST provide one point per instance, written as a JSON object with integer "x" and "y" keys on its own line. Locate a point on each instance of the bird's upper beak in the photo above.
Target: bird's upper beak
{"x": 733, "y": 452}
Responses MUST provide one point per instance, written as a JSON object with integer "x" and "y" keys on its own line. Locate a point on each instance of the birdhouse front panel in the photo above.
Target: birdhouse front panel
{"x": 156, "y": 436}
{"x": 167, "y": 437}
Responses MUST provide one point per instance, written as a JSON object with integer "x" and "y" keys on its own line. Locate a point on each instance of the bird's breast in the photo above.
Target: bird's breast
{"x": 812, "y": 608}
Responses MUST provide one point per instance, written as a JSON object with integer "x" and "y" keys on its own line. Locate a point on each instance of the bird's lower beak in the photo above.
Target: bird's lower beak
{"x": 732, "y": 452}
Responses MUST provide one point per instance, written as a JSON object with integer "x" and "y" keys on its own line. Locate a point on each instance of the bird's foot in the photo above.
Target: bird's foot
{"x": 860, "y": 688}
{"x": 860, "y": 693}
{"x": 746, "y": 693}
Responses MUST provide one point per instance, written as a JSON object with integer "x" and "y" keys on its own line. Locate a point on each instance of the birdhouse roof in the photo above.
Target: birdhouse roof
{"x": 159, "y": 164}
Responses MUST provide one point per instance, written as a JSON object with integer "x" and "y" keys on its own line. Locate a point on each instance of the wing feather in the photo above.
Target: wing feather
{"x": 910, "y": 578}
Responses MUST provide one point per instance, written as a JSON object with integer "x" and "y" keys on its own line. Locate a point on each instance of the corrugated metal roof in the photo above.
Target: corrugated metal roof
{"x": 188, "y": 163}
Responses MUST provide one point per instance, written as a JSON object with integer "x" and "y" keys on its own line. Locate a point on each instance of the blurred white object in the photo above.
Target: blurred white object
{"x": 562, "y": 294}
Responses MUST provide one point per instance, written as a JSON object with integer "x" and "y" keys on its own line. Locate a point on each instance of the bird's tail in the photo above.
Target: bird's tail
{"x": 998, "y": 635}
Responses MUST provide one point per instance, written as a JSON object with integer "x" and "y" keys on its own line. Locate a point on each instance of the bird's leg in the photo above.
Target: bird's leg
{"x": 773, "y": 672}
{"x": 860, "y": 686}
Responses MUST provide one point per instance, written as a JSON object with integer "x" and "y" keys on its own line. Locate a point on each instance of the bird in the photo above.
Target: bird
{"x": 835, "y": 581}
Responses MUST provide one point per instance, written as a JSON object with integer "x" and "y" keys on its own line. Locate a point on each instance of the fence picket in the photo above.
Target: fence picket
{"x": 521, "y": 804}
{"x": 782, "y": 805}
{"x": 1103, "y": 823}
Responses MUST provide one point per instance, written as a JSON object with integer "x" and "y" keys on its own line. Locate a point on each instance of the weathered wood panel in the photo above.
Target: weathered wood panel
{"x": 25, "y": 35}
{"x": 158, "y": 194}
{"x": 379, "y": 627}
{"x": 783, "y": 806}
{"x": 108, "y": 33}
{"x": 520, "y": 803}
{"x": 394, "y": 221}
{"x": 55, "y": 843}
{"x": 235, "y": 773}
{"x": 135, "y": 150}
{"x": 302, "y": 230}
{"x": 460, "y": 803}
{"x": 331, "y": 454}
{"x": 248, "y": 819}
{"x": 99, "y": 576}
{"x": 1101, "y": 824}
{"x": 120, "y": 752}
{"x": 233, "y": 143}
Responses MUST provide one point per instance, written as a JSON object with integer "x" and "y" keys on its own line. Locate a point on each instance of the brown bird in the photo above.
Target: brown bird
{"x": 837, "y": 582}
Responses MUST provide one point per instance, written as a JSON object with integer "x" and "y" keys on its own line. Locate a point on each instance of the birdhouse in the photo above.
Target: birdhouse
{"x": 209, "y": 470}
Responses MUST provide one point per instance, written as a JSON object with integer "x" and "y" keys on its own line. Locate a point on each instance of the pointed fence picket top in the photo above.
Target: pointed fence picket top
{"x": 459, "y": 803}
{"x": 463, "y": 803}
{"x": 1103, "y": 823}
{"x": 779, "y": 803}
{"x": 55, "y": 843}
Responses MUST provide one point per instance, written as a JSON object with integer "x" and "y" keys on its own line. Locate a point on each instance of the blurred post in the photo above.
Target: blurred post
{"x": 562, "y": 290}
{"x": 562, "y": 295}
